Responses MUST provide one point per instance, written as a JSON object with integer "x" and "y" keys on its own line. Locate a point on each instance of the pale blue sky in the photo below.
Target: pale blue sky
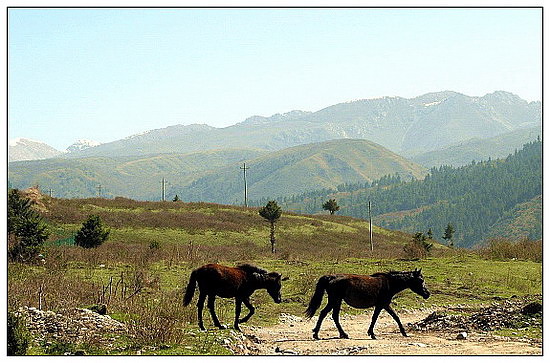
{"x": 104, "y": 74}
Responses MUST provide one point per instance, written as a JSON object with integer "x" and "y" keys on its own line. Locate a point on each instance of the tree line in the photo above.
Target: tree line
{"x": 472, "y": 197}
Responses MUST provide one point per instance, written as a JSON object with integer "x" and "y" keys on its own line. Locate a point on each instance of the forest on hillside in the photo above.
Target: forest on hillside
{"x": 473, "y": 198}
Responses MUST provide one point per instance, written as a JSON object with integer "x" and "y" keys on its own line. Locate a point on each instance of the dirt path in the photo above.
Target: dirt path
{"x": 293, "y": 336}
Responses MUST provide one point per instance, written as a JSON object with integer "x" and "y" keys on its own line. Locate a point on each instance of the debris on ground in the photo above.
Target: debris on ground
{"x": 511, "y": 313}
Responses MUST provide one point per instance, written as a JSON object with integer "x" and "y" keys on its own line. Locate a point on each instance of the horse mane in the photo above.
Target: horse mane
{"x": 392, "y": 273}
{"x": 249, "y": 269}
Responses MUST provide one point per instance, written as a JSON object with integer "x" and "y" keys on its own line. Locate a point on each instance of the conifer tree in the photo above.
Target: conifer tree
{"x": 27, "y": 232}
{"x": 92, "y": 234}
{"x": 271, "y": 212}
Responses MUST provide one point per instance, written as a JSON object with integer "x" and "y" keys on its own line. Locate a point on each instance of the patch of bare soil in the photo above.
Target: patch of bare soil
{"x": 429, "y": 334}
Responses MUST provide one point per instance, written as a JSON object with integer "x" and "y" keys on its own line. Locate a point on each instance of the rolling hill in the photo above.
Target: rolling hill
{"x": 214, "y": 176}
{"x": 481, "y": 200}
{"x": 136, "y": 177}
{"x": 302, "y": 168}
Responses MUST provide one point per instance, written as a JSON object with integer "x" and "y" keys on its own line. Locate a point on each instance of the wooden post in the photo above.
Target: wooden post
{"x": 163, "y": 189}
{"x": 370, "y": 229}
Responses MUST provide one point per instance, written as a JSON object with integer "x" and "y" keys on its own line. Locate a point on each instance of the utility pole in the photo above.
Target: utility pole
{"x": 163, "y": 189}
{"x": 370, "y": 229}
{"x": 99, "y": 190}
{"x": 244, "y": 168}
{"x": 50, "y": 192}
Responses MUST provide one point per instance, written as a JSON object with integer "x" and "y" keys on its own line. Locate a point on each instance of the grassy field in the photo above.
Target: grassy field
{"x": 154, "y": 246}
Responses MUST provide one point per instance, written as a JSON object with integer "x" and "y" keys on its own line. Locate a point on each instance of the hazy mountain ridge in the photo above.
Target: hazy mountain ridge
{"x": 27, "y": 149}
{"x": 406, "y": 126}
{"x": 477, "y": 149}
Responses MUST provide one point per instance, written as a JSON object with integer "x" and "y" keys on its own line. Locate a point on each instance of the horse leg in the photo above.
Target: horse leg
{"x": 370, "y": 332}
{"x": 211, "y": 299}
{"x": 396, "y": 318}
{"x": 336, "y": 318}
{"x": 322, "y": 315}
{"x": 200, "y": 306}
{"x": 250, "y": 313}
{"x": 238, "y": 303}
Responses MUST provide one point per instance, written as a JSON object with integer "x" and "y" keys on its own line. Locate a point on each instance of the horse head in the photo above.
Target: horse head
{"x": 416, "y": 284}
{"x": 273, "y": 285}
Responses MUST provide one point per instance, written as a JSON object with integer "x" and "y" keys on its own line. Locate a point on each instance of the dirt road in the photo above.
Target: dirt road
{"x": 292, "y": 336}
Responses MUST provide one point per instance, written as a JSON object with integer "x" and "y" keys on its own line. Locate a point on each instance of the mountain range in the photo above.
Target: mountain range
{"x": 340, "y": 147}
{"x": 405, "y": 126}
{"x": 20, "y": 149}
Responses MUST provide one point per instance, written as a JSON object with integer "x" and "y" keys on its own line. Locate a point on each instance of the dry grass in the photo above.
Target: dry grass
{"x": 504, "y": 249}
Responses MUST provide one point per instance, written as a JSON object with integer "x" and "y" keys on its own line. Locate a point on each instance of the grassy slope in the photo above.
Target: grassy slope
{"x": 139, "y": 177}
{"x": 193, "y": 234}
{"x": 302, "y": 168}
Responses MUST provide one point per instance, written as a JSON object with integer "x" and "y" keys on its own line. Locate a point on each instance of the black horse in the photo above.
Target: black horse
{"x": 361, "y": 291}
{"x": 238, "y": 282}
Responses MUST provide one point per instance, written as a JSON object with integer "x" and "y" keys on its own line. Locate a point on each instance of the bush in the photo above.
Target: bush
{"x": 18, "y": 336}
{"x": 92, "y": 234}
{"x": 504, "y": 249}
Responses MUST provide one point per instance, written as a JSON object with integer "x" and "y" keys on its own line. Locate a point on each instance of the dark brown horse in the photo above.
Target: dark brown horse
{"x": 238, "y": 282}
{"x": 361, "y": 291}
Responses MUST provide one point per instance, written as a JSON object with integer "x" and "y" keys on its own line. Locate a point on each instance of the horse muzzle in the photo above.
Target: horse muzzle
{"x": 425, "y": 294}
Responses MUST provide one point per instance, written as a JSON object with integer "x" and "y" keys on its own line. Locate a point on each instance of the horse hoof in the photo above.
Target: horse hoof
{"x": 315, "y": 336}
{"x": 344, "y": 336}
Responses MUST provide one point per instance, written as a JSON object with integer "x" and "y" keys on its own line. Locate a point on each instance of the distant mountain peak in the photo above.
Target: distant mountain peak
{"x": 22, "y": 140}
{"x": 26, "y": 149}
{"x": 82, "y": 144}
{"x": 260, "y": 120}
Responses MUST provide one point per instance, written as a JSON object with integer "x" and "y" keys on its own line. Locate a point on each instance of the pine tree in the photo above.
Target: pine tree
{"x": 448, "y": 235}
{"x": 271, "y": 212}
{"x": 27, "y": 232}
{"x": 92, "y": 234}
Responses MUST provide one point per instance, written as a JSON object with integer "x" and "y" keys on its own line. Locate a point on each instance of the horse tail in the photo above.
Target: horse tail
{"x": 317, "y": 297}
{"x": 190, "y": 290}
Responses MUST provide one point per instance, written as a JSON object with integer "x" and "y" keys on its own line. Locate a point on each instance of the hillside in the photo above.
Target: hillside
{"x": 136, "y": 177}
{"x": 479, "y": 149}
{"x": 302, "y": 168}
{"x": 406, "y": 126}
{"x": 522, "y": 221}
{"x": 214, "y": 176}
{"x": 225, "y": 231}
{"x": 475, "y": 198}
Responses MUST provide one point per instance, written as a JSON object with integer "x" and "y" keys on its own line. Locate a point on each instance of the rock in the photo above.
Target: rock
{"x": 462, "y": 335}
{"x": 532, "y": 308}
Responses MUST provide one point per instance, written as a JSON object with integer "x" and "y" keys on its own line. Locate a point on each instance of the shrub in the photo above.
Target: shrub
{"x": 92, "y": 234}
{"x": 503, "y": 249}
{"x": 18, "y": 336}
